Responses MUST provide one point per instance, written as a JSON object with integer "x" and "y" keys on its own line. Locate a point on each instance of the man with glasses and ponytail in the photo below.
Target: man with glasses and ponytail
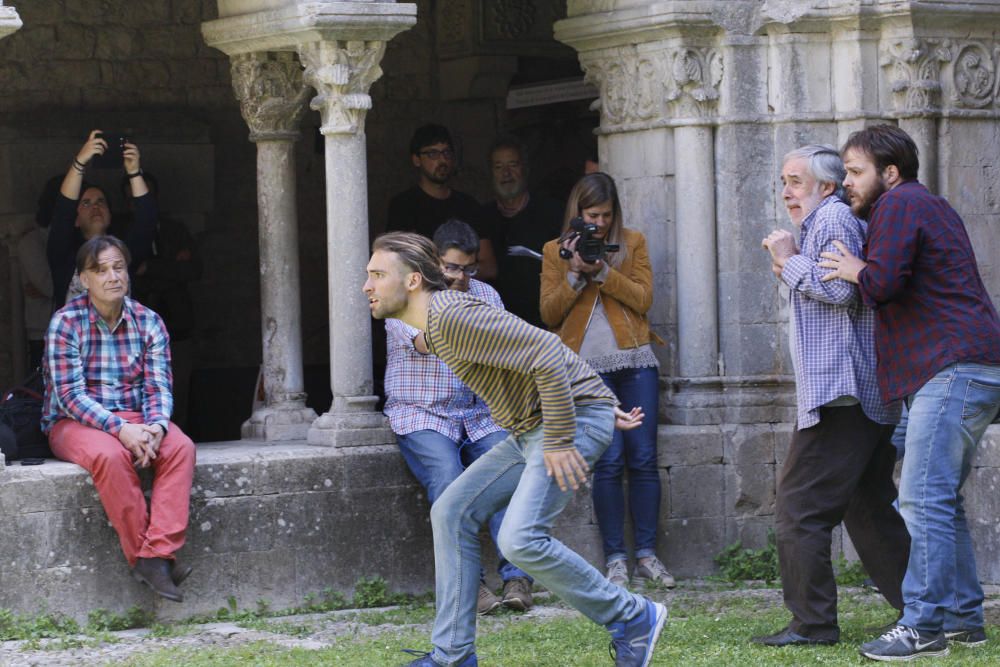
{"x": 440, "y": 425}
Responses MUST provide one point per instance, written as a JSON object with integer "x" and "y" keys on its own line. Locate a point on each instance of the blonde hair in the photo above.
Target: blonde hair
{"x": 593, "y": 190}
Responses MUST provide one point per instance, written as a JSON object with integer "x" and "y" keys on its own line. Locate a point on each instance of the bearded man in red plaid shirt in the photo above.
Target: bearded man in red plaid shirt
{"x": 107, "y": 408}
{"x": 938, "y": 339}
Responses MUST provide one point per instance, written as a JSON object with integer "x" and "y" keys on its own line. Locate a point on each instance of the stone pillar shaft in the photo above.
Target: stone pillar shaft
{"x": 925, "y": 135}
{"x": 272, "y": 100}
{"x": 347, "y": 252}
{"x": 697, "y": 275}
{"x": 281, "y": 311}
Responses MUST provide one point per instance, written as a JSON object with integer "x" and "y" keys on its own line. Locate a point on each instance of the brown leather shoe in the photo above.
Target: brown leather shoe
{"x": 179, "y": 571}
{"x": 155, "y": 573}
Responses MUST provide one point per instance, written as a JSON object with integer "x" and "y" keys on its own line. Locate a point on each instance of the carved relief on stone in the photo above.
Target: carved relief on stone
{"x": 974, "y": 76}
{"x": 271, "y": 93}
{"x": 629, "y": 83}
{"x": 915, "y": 72}
{"x": 695, "y": 75}
{"x": 342, "y": 73}
{"x": 510, "y": 19}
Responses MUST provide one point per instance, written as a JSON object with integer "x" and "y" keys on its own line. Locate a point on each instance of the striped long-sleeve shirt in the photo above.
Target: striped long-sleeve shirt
{"x": 93, "y": 371}
{"x": 526, "y": 375}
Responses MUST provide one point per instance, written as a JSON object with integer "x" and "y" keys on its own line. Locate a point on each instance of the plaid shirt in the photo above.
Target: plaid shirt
{"x": 92, "y": 371}
{"x": 834, "y": 334}
{"x": 423, "y": 394}
{"x": 931, "y": 307}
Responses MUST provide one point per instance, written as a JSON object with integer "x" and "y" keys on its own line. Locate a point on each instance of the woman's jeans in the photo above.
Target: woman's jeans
{"x": 513, "y": 474}
{"x": 436, "y": 461}
{"x": 948, "y": 416}
{"x": 636, "y": 451}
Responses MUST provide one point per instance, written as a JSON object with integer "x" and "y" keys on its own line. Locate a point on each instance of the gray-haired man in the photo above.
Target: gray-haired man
{"x": 840, "y": 462}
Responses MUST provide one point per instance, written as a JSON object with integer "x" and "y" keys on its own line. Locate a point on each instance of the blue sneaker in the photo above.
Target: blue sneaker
{"x": 425, "y": 660}
{"x": 632, "y": 643}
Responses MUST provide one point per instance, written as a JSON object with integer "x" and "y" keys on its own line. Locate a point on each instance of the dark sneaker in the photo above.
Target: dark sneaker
{"x": 653, "y": 571}
{"x": 966, "y": 637}
{"x": 786, "y": 637}
{"x": 618, "y": 573}
{"x": 488, "y": 601}
{"x": 904, "y": 643}
{"x": 425, "y": 660}
{"x": 632, "y": 643}
{"x": 517, "y": 594}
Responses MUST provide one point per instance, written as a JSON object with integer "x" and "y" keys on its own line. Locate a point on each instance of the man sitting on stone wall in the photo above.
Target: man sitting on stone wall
{"x": 840, "y": 462}
{"x": 441, "y": 426}
{"x": 107, "y": 408}
{"x": 82, "y": 211}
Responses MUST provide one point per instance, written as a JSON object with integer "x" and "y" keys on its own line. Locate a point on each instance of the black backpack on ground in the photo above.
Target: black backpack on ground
{"x": 21, "y": 434}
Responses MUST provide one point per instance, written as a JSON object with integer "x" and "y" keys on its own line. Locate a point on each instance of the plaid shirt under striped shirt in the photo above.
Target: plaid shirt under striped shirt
{"x": 834, "y": 333}
{"x": 423, "y": 394}
{"x": 526, "y": 375}
{"x": 92, "y": 371}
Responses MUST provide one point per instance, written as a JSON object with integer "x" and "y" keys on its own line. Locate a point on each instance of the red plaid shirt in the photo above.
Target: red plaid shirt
{"x": 92, "y": 371}
{"x": 932, "y": 309}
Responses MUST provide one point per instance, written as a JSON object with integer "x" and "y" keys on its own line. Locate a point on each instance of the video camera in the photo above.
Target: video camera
{"x": 589, "y": 248}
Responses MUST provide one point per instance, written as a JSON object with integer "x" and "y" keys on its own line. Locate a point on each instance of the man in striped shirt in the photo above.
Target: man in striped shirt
{"x": 840, "y": 462}
{"x": 107, "y": 408}
{"x": 561, "y": 418}
{"x": 440, "y": 425}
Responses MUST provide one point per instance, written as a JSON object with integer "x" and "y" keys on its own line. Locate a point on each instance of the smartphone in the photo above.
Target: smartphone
{"x": 113, "y": 156}
{"x": 32, "y": 461}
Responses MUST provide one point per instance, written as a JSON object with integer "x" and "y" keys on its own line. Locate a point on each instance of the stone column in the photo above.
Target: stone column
{"x": 913, "y": 70}
{"x": 272, "y": 100}
{"x": 342, "y": 72}
{"x": 9, "y": 20}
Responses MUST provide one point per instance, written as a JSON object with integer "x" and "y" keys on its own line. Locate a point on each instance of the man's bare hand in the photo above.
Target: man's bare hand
{"x": 846, "y": 266}
{"x": 135, "y": 438}
{"x": 568, "y": 467}
{"x": 781, "y": 244}
{"x": 626, "y": 421}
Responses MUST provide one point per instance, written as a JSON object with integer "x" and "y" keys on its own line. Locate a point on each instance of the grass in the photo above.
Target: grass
{"x": 712, "y": 631}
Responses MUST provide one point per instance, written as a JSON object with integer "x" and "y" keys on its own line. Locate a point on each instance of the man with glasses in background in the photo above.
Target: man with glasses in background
{"x": 440, "y": 425}
{"x": 431, "y": 202}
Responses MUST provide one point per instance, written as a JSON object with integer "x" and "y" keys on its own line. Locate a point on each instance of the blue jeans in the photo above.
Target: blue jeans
{"x": 436, "y": 461}
{"x": 513, "y": 474}
{"x": 948, "y": 415}
{"x": 636, "y": 451}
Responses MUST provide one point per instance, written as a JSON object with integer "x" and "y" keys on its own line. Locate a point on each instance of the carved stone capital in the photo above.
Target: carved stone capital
{"x": 9, "y": 20}
{"x": 342, "y": 72}
{"x": 695, "y": 74}
{"x": 271, "y": 93}
{"x": 914, "y": 72}
{"x": 974, "y": 80}
{"x": 640, "y": 86}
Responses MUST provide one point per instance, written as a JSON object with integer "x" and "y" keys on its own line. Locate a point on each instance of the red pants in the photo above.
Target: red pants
{"x": 156, "y": 531}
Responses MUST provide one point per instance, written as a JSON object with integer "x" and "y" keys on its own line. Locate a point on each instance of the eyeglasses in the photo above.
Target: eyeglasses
{"x": 470, "y": 270}
{"x": 87, "y": 203}
{"x": 434, "y": 154}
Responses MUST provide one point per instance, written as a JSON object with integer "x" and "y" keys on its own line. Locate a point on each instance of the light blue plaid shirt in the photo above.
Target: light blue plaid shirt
{"x": 833, "y": 332}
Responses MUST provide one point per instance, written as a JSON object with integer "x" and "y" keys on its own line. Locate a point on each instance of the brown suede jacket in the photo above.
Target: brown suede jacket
{"x": 627, "y": 294}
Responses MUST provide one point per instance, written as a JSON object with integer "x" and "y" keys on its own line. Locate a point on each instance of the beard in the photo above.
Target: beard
{"x": 509, "y": 190}
{"x": 862, "y": 207}
{"x": 440, "y": 175}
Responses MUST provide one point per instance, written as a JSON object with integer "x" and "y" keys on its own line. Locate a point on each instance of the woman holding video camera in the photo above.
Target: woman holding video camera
{"x": 597, "y": 286}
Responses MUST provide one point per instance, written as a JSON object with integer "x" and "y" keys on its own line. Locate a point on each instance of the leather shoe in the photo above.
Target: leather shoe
{"x": 179, "y": 571}
{"x": 786, "y": 637}
{"x": 155, "y": 573}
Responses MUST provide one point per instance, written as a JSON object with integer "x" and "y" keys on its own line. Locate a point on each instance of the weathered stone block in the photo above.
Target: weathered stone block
{"x": 748, "y": 444}
{"x": 212, "y": 523}
{"x": 751, "y": 531}
{"x": 749, "y": 490}
{"x": 694, "y": 491}
{"x": 689, "y": 445}
{"x": 690, "y": 545}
